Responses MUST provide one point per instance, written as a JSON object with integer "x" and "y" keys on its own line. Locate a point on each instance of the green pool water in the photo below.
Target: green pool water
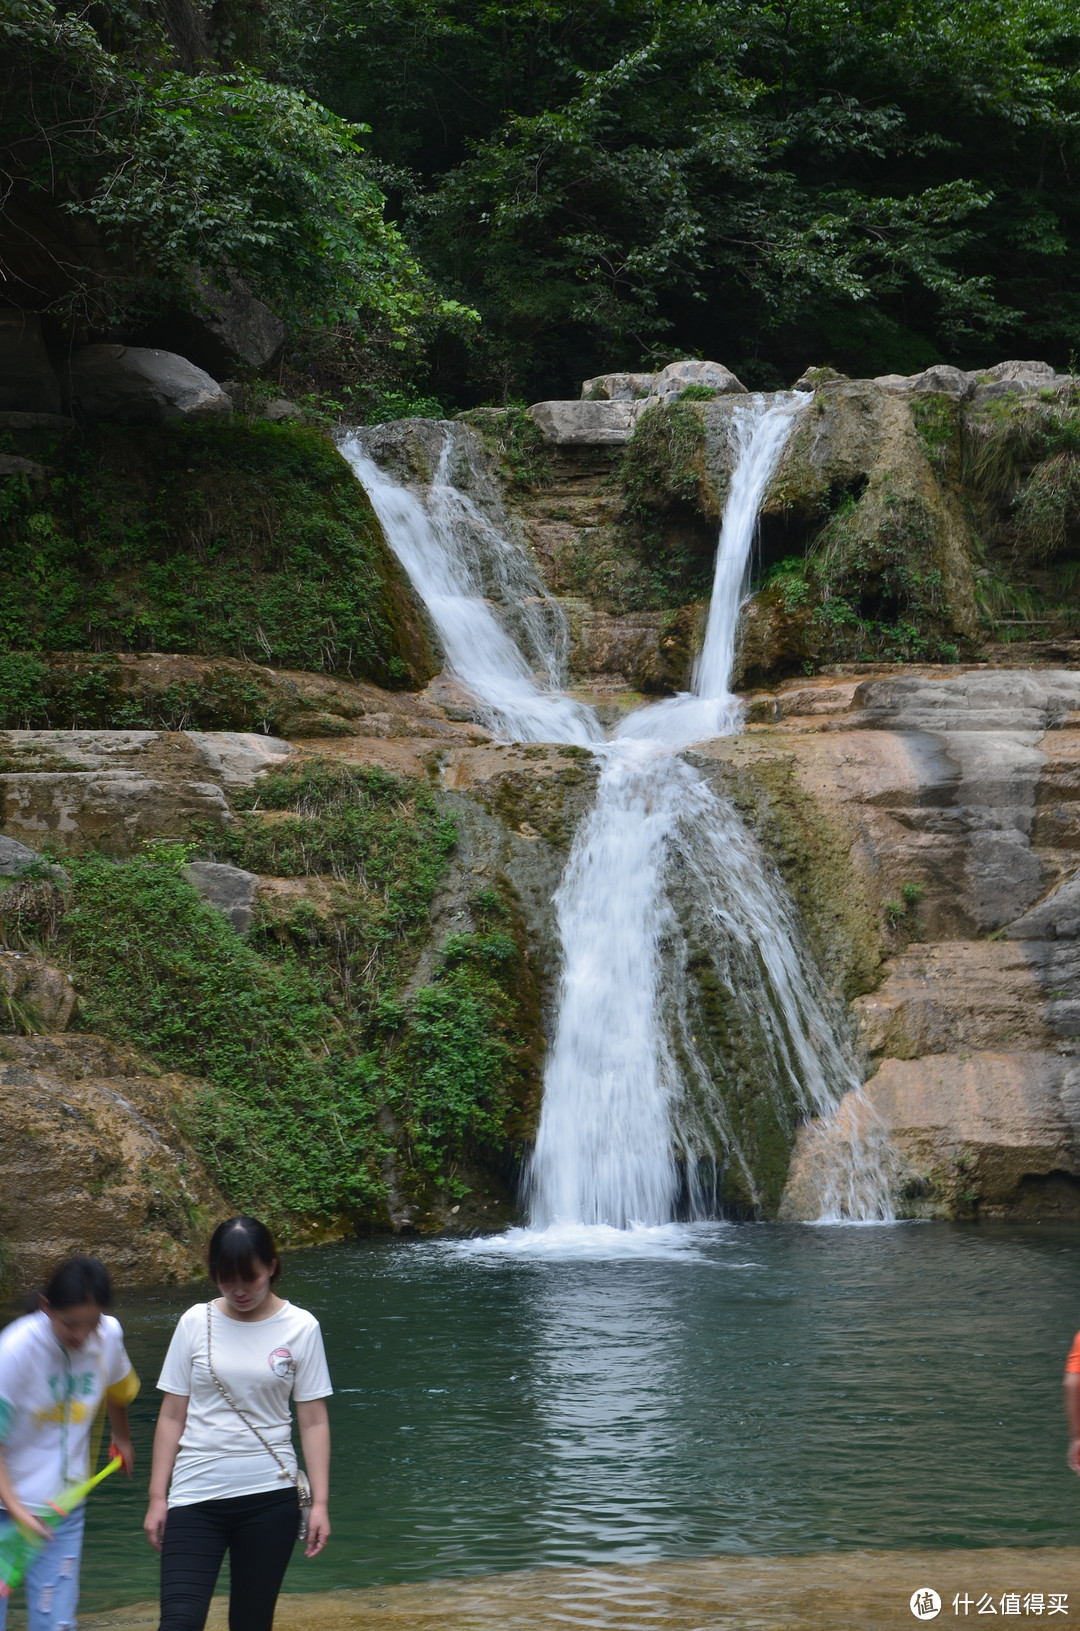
{"x": 741, "y": 1388}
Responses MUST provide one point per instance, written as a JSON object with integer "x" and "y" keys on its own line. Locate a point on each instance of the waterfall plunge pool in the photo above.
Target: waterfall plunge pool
{"x": 745, "y": 1388}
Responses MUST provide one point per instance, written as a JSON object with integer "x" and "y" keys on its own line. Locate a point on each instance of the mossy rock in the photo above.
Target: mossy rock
{"x": 244, "y": 540}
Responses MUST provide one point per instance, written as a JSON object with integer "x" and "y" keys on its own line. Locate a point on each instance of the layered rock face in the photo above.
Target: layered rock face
{"x": 911, "y": 517}
{"x": 957, "y": 793}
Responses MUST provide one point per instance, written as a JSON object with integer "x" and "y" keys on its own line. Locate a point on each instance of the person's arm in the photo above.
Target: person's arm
{"x": 314, "y": 1424}
{"x": 121, "y": 1435}
{"x": 13, "y": 1506}
{"x": 1072, "y": 1417}
{"x": 167, "y": 1435}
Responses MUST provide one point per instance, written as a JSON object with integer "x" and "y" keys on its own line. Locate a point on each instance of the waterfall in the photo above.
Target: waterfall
{"x": 444, "y": 545}
{"x": 631, "y": 1116}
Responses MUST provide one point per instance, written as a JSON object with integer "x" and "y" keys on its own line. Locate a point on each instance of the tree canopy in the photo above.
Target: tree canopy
{"x": 872, "y": 183}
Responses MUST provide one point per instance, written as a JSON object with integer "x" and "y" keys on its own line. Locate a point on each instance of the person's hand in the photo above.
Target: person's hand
{"x": 25, "y": 1519}
{"x": 154, "y": 1522}
{"x": 318, "y": 1529}
{"x": 1074, "y": 1454}
{"x": 122, "y": 1447}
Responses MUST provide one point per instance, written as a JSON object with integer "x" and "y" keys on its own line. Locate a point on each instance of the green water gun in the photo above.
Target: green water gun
{"x": 19, "y": 1547}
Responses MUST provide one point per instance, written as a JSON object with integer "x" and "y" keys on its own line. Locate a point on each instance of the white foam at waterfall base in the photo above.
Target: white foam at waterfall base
{"x": 621, "y": 1130}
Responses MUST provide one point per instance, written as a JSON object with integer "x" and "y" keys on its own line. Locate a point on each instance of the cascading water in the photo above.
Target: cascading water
{"x": 438, "y": 543}
{"x": 631, "y": 1116}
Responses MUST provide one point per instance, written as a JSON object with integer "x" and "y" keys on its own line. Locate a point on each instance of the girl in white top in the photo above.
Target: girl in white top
{"x": 59, "y": 1367}
{"x": 223, "y": 1470}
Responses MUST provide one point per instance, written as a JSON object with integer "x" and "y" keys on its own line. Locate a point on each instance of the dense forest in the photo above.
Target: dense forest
{"x": 467, "y": 201}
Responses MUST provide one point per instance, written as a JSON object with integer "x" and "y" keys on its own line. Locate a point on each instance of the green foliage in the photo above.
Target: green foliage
{"x": 176, "y": 176}
{"x": 388, "y": 405}
{"x": 1011, "y": 436}
{"x": 319, "y": 1069}
{"x": 791, "y": 577}
{"x": 865, "y": 181}
{"x": 516, "y": 440}
{"x": 1024, "y": 453}
{"x": 698, "y": 393}
{"x": 936, "y": 420}
{"x": 384, "y": 840}
{"x": 1048, "y": 508}
{"x": 287, "y": 1121}
{"x": 251, "y": 541}
{"x": 451, "y": 1075}
{"x": 867, "y": 590}
{"x": 92, "y": 692}
{"x": 662, "y": 462}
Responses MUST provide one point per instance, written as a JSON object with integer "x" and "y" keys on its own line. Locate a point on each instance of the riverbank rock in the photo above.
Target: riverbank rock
{"x": 112, "y": 790}
{"x": 92, "y": 1159}
{"x": 993, "y": 1132}
{"x": 231, "y": 327}
{"x": 141, "y": 386}
{"x": 229, "y": 888}
{"x": 954, "y": 795}
{"x": 604, "y": 422}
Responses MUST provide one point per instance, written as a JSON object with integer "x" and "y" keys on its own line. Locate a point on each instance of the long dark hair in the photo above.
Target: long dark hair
{"x": 239, "y": 1247}
{"x": 78, "y": 1280}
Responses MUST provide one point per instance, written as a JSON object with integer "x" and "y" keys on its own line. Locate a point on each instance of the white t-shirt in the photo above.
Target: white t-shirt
{"x": 262, "y": 1363}
{"x": 49, "y": 1396}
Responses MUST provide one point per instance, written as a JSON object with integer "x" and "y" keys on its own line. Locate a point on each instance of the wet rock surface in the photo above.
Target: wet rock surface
{"x": 835, "y": 1591}
{"x": 958, "y": 792}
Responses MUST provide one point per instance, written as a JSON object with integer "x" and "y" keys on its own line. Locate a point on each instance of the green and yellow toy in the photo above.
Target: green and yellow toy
{"x": 19, "y": 1546}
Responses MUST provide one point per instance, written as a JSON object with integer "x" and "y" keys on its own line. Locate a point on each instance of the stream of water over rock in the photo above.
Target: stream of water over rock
{"x": 633, "y": 1127}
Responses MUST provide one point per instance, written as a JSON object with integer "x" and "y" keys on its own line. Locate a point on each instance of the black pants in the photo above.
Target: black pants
{"x": 257, "y": 1531}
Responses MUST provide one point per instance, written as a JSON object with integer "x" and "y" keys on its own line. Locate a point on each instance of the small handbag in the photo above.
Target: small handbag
{"x": 299, "y": 1477}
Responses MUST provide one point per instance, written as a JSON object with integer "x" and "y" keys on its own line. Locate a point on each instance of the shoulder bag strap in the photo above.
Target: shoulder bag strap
{"x": 231, "y": 1402}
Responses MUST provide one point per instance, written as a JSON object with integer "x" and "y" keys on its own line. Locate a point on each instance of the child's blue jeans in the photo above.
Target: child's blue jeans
{"x": 52, "y": 1581}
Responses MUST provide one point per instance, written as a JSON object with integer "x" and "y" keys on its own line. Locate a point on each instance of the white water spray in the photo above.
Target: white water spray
{"x": 624, "y": 1129}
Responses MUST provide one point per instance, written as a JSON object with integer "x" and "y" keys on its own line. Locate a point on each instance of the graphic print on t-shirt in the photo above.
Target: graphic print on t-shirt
{"x": 263, "y": 1364}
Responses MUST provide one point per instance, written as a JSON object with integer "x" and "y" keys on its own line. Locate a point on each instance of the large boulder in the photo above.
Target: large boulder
{"x": 34, "y": 996}
{"x": 111, "y": 790}
{"x": 1013, "y": 378}
{"x": 228, "y": 888}
{"x": 587, "y": 424}
{"x": 856, "y": 454}
{"x": 27, "y": 380}
{"x": 617, "y": 387}
{"x": 231, "y": 327}
{"x": 673, "y": 380}
{"x": 141, "y": 386}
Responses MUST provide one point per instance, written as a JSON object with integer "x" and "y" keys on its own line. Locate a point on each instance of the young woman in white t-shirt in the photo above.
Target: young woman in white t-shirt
{"x": 58, "y": 1367}
{"x": 222, "y": 1481}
